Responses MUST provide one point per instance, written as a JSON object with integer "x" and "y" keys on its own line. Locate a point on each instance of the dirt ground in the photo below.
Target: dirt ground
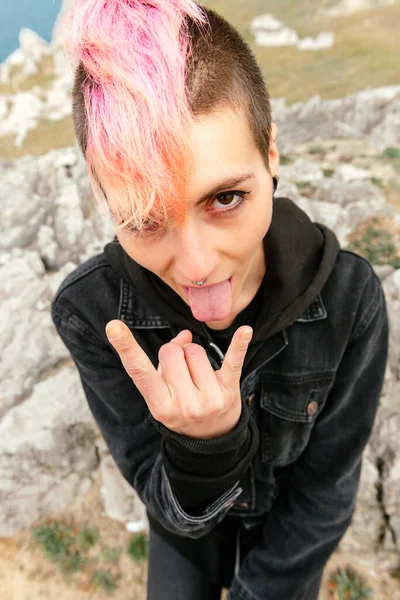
{"x": 25, "y": 574}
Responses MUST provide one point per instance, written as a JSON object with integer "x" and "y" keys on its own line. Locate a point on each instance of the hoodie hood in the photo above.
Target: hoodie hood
{"x": 299, "y": 256}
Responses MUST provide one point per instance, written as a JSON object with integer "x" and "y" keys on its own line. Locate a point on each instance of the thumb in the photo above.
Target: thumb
{"x": 231, "y": 370}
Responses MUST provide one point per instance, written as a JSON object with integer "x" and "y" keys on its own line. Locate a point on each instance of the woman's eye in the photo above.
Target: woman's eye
{"x": 150, "y": 225}
{"x": 227, "y": 199}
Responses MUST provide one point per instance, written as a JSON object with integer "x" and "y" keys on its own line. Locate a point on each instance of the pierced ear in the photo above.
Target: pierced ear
{"x": 276, "y": 181}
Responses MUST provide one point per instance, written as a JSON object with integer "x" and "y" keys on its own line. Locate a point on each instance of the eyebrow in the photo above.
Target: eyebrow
{"x": 229, "y": 183}
{"x": 226, "y": 184}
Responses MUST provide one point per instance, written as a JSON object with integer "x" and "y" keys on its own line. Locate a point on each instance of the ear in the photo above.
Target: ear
{"x": 273, "y": 154}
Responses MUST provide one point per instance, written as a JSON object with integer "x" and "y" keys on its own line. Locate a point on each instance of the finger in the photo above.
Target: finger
{"x": 231, "y": 370}
{"x": 183, "y": 337}
{"x": 136, "y": 363}
{"x": 174, "y": 369}
{"x": 200, "y": 369}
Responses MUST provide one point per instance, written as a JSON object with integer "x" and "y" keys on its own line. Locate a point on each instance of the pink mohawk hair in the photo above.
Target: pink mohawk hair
{"x": 134, "y": 54}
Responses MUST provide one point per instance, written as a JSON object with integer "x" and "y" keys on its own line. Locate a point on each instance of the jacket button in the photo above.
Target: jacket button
{"x": 312, "y": 408}
{"x": 250, "y": 399}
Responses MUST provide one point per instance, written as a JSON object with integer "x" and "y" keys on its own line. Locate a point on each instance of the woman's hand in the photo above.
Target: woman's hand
{"x": 185, "y": 393}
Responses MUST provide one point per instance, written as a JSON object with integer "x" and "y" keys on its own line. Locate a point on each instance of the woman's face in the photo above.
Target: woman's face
{"x": 221, "y": 237}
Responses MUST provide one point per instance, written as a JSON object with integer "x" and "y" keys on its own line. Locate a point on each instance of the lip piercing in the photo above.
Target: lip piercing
{"x": 200, "y": 283}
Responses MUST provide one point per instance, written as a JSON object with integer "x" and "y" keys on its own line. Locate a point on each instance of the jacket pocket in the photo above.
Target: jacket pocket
{"x": 287, "y": 416}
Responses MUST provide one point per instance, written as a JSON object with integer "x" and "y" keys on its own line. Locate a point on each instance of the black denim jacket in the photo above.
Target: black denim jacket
{"x": 313, "y": 392}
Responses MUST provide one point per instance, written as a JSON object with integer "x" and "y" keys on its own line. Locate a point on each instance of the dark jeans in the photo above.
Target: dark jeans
{"x": 171, "y": 576}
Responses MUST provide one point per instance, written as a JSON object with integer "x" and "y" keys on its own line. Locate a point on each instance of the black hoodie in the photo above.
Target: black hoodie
{"x": 300, "y": 256}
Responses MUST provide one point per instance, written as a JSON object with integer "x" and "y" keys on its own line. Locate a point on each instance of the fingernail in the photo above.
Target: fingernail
{"x": 246, "y": 336}
{"x": 113, "y": 332}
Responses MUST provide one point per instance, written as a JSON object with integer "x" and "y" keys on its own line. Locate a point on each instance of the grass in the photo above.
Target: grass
{"x": 391, "y": 153}
{"x": 316, "y": 150}
{"x": 111, "y": 555}
{"x": 347, "y": 584}
{"x": 365, "y": 51}
{"x": 46, "y": 136}
{"x": 43, "y": 78}
{"x": 105, "y": 580}
{"x": 74, "y": 549}
{"x": 376, "y": 245}
{"x": 285, "y": 160}
{"x": 301, "y": 185}
{"x": 59, "y": 544}
{"x": 138, "y": 547}
{"x": 87, "y": 537}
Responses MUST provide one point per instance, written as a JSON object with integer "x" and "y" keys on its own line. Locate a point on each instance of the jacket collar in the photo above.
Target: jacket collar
{"x": 137, "y": 314}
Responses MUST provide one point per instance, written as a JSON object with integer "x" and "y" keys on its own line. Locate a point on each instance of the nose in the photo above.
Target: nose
{"x": 195, "y": 254}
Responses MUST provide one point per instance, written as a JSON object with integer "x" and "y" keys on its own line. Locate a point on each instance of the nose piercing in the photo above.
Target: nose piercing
{"x": 199, "y": 283}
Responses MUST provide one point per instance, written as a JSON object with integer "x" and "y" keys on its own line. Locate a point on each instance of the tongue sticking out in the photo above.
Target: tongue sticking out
{"x": 211, "y": 303}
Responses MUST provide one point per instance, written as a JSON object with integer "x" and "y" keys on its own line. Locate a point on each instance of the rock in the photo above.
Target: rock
{"x": 360, "y": 198}
{"x": 321, "y": 42}
{"x": 32, "y": 45}
{"x": 385, "y": 444}
{"x": 383, "y": 271}
{"x": 391, "y": 286}
{"x": 32, "y": 48}
{"x": 57, "y": 279}
{"x": 47, "y": 246}
{"x": 355, "y": 116}
{"x": 350, "y": 173}
{"x": 23, "y": 116}
{"x": 352, "y": 6}
{"x": 59, "y": 219}
{"x": 29, "y": 343}
{"x": 68, "y": 218}
{"x": 301, "y": 171}
{"x": 332, "y": 190}
{"x": 340, "y": 202}
{"x": 121, "y": 502}
{"x": 268, "y": 31}
{"x": 387, "y": 132}
{"x": 366, "y": 528}
{"x": 26, "y": 109}
{"x": 328, "y": 214}
{"x": 47, "y": 452}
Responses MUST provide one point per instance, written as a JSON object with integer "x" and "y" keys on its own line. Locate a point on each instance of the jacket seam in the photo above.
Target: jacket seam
{"x": 80, "y": 275}
{"x": 69, "y": 325}
{"x": 372, "y": 309}
{"x": 295, "y": 379}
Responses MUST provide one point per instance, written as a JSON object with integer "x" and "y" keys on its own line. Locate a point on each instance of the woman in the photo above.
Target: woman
{"x": 230, "y": 352}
